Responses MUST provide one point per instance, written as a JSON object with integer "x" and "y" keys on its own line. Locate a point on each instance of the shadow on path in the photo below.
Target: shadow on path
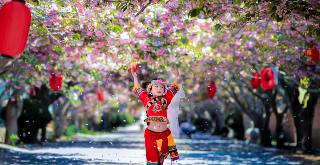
{"x": 129, "y": 149}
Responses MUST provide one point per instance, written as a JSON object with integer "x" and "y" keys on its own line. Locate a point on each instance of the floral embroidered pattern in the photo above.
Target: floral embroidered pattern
{"x": 157, "y": 107}
{"x": 162, "y": 100}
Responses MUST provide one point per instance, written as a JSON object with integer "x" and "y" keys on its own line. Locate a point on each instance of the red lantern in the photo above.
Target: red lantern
{"x": 15, "y": 19}
{"x": 267, "y": 78}
{"x": 100, "y": 95}
{"x": 313, "y": 55}
{"x": 135, "y": 67}
{"x": 255, "y": 82}
{"x": 212, "y": 90}
{"x": 55, "y": 81}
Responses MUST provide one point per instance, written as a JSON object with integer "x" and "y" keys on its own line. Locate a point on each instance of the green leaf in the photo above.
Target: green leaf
{"x": 239, "y": 2}
{"x": 213, "y": 18}
{"x": 318, "y": 31}
{"x": 201, "y": 6}
{"x": 76, "y": 36}
{"x": 272, "y": 8}
{"x": 187, "y": 22}
{"x": 117, "y": 28}
{"x": 194, "y": 12}
{"x": 307, "y": 16}
{"x": 217, "y": 26}
{"x": 278, "y": 18}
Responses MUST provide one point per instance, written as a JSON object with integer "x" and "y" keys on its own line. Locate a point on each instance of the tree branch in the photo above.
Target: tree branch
{"x": 144, "y": 7}
{"x": 298, "y": 83}
{"x": 3, "y": 62}
{"x": 260, "y": 96}
{"x": 8, "y": 68}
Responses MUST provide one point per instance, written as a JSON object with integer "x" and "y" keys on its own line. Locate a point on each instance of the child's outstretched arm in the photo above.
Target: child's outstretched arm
{"x": 135, "y": 78}
{"x": 139, "y": 91}
{"x": 177, "y": 74}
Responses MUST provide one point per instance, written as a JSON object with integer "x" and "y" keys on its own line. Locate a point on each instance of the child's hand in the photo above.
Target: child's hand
{"x": 176, "y": 72}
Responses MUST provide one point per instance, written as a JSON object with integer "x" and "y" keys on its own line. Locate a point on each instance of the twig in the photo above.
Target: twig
{"x": 215, "y": 3}
{"x": 78, "y": 18}
{"x": 144, "y": 7}
{"x": 147, "y": 58}
{"x": 51, "y": 34}
{"x": 307, "y": 62}
{"x": 241, "y": 28}
{"x": 294, "y": 26}
{"x": 44, "y": 17}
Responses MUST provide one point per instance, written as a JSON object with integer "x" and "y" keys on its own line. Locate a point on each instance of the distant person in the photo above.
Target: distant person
{"x": 254, "y": 134}
{"x": 187, "y": 128}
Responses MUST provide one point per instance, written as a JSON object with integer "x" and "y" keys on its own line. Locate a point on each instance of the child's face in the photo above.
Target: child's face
{"x": 157, "y": 90}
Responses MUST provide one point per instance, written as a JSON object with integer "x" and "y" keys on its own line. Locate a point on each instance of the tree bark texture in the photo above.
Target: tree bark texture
{"x": 46, "y": 95}
{"x": 59, "y": 111}
{"x": 265, "y": 134}
{"x": 43, "y": 133}
{"x": 303, "y": 120}
{"x": 214, "y": 110}
{"x": 303, "y": 117}
{"x": 13, "y": 111}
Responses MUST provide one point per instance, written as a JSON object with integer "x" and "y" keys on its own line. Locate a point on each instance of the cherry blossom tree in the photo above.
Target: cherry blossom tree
{"x": 93, "y": 42}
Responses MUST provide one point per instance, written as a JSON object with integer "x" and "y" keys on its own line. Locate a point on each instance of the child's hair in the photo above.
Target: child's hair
{"x": 144, "y": 85}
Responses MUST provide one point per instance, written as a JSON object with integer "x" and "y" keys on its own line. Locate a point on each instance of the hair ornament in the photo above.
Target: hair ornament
{"x": 153, "y": 82}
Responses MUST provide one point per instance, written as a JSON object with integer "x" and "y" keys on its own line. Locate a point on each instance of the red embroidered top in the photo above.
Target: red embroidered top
{"x": 156, "y": 107}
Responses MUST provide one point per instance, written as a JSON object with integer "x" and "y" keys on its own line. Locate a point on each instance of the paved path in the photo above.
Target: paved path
{"x": 128, "y": 148}
{"x": 135, "y": 127}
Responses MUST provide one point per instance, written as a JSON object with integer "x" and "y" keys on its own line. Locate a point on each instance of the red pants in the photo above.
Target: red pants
{"x": 158, "y": 146}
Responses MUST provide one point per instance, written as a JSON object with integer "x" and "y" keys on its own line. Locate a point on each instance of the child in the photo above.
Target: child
{"x": 156, "y": 98}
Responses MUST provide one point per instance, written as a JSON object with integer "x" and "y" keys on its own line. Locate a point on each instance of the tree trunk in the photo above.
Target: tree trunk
{"x": 279, "y": 130}
{"x": 59, "y": 111}
{"x": 303, "y": 119}
{"x": 3, "y": 63}
{"x": 13, "y": 112}
{"x": 217, "y": 119}
{"x": 76, "y": 121}
{"x": 265, "y": 134}
{"x": 43, "y": 133}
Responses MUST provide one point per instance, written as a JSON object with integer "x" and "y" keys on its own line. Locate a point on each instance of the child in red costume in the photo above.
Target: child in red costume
{"x": 159, "y": 142}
